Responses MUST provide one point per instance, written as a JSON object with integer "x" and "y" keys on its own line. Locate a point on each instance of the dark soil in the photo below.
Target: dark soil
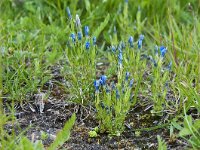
{"x": 57, "y": 112}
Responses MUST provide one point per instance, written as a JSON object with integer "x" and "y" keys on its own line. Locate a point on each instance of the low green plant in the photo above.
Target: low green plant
{"x": 160, "y": 77}
{"x": 189, "y": 130}
{"x": 113, "y": 103}
{"x": 161, "y": 144}
{"x": 80, "y": 54}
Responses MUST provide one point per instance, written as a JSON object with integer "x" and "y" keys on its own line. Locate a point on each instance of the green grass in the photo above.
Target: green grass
{"x": 35, "y": 38}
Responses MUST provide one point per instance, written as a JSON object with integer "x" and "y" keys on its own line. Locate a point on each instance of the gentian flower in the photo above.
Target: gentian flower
{"x": 141, "y": 38}
{"x": 112, "y": 86}
{"x": 127, "y": 76}
{"x": 113, "y": 48}
{"x": 107, "y": 90}
{"x": 69, "y": 13}
{"x": 86, "y": 31}
{"x": 122, "y": 45}
{"x": 163, "y": 51}
{"x": 78, "y": 22}
{"x": 87, "y": 45}
{"x": 117, "y": 94}
{"x": 169, "y": 66}
{"x": 102, "y": 105}
{"x": 79, "y": 34}
{"x": 96, "y": 85}
{"x": 156, "y": 50}
{"x": 130, "y": 40}
{"x": 73, "y": 36}
{"x": 94, "y": 39}
{"x": 120, "y": 58}
{"x": 131, "y": 83}
{"x": 103, "y": 79}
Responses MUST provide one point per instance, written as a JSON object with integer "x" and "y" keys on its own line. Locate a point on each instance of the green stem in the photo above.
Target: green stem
{"x": 152, "y": 128}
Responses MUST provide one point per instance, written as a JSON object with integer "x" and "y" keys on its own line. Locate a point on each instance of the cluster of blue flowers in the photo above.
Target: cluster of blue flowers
{"x": 139, "y": 43}
{"x": 79, "y": 33}
{"x": 102, "y": 82}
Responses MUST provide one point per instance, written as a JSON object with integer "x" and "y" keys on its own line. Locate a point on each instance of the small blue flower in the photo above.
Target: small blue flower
{"x": 120, "y": 58}
{"x": 117, "y": 94}
{"x": 73, "y": 36}
{"x": 141, "y": 38}
{"x": 126, "y": 1}
{"x": 169, "y": 66}
{"x": 113, "y": 48}
{"x": 94, "y": 39}
{"x": 79, "y": 34}
{"x": 96, "y": 85}
{"x": 140, "y": 44}
{"x": 127, "y": 76}
{"x": 102, "y": 105}
{"x": 107, "y": 90}
{"x": 78, "y": 22}
{"x": 163, "y": 51}
{"x": 87, "y": 45}
{"x": 130, "y": 40}
{"x": 86, "y": 31}
{"x": 103, "y": 79}
{"x": 112, "y": 86}
{"x": 131, "y": 83}
{"x": 156, "y": 49}
{"x": 122, "y": 45}
{"x": 69, "y": 13}
{"x": 154, "y": 63}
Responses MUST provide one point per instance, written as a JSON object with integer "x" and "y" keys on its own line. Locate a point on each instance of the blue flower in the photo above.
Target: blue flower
{"x": 73, "y": 36}
{"x": 107, "y": 90}
{"x": 120, "y": 58}
{"x": 126, "y": 1}
{"x": 86, "y": 30}
{"x": 163, "y": 51}
{"x": 130, "y": 40}
{"x": 96, "y": 85}
{"x": 102, "y": 105}
{"x": 131, "y": 83}
{"x": 87, "y": 45}
{"x": 169, "y": 66}
{"x": 103, "y": 79}
{"x": 127, "y": 76}
{"x": 112, "y": 86}
{"x": 113, "y": 48}
{"x": 79, "y": 34}
{"x": 94, "y": 39}
{"x": 122, "y": 45}
{"x": 141, "y": 38}
{"x": 117, "y": 94}
{"x": 69, "y": 13}
{"x": 156, "y": 49}
{"x": 78, "y": 22}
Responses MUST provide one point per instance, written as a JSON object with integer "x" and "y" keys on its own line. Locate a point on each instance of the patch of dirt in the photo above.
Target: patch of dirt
{"x": 57, "y": 112}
